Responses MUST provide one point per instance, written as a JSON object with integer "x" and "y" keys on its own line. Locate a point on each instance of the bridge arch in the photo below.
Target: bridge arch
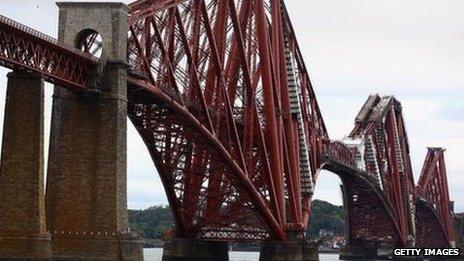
{"x": 369, "y": 216}
{"x": 428, "y": 223}
{"x": 90, "y": 41}
{"x": 211, "y": 195}
{"x": 267, "y": 90}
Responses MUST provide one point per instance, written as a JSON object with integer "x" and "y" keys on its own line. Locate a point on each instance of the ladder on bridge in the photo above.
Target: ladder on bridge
{"x": 294, "y": 88}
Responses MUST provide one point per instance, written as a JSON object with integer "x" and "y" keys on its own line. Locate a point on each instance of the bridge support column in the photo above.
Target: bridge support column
{"x": 23, "y": 233}
{"x": 189, "y": 249}
{"x": 297, "y": 250}
{"x": 87, "y": 184}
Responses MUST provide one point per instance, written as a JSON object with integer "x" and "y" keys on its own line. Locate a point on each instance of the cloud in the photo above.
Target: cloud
{"x": 407, "y": 48}
{"x": 328, "y": 188}
{"x": 452, "y": 112}
{"x": 410, "y": 49}
{"x": 144, "y": 185}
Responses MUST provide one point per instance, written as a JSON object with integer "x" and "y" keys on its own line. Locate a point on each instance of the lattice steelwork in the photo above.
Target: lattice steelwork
{"x": 386, "y": 158}
{"x": 433, "y": 203}
{"x": 369, "y": 213}
{"x": 225, "y": 64}
{"x": 24, "y": 48}
{"x": 220, "y": 94}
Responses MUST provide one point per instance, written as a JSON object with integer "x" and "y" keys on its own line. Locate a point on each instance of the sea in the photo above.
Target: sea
{"x": 155, "y": 254}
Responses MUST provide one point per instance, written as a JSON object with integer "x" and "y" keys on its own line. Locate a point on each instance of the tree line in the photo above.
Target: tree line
{"x": 151, "y": 223}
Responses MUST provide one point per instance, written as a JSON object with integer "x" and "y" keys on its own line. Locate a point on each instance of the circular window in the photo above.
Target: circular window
{"x": 90, "y": 41}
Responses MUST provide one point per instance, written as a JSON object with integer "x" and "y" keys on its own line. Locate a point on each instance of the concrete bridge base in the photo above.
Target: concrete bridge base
{"x": 288, "y": 250}
{"x": 186, "y": 249}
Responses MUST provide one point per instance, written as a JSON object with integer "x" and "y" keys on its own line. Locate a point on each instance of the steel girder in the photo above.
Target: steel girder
{"x": 27, "y": 49}
{"x": 220, "y": 94}
{"x": 385, "y": 157}
{"x": 430, "y": 229}
{"x": 369, "y": 215}
{"x": 225, "y": 65}
{"x": 432, "y": 191}
{"x": 419, "y": 211}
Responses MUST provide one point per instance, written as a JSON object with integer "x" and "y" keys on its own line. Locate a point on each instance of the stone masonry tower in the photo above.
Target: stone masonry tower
{"x": 86, "y": 198}
{"x": 23, "y": 232}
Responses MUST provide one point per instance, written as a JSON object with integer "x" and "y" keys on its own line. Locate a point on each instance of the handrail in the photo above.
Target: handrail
{"x": 339, "y": 152}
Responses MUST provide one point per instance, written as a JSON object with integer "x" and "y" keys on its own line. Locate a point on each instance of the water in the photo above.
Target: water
{"x": 155, "y": 254}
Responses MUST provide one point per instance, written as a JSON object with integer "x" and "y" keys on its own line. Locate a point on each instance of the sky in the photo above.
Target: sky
{"x": 411, "y": 49}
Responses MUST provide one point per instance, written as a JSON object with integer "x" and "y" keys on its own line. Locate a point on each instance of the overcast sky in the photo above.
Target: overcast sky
{"x": 413, "y": 49}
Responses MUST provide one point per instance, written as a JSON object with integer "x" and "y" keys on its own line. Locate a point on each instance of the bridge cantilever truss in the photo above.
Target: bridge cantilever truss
{"x": 433, "y": 202}
{"x": 223, "y": 64}
{"x": 220, "y": 94}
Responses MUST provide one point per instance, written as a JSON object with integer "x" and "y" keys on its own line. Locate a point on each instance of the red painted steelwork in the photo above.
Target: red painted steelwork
{"x": 386, "y": 157}
{"x": 223, "y": 64}
{"x": 221, "y": 96}
{"x": 433, "y": 188}
{"x": 27, "y": 49}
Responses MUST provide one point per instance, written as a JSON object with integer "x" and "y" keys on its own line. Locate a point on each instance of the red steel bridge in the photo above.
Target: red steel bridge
{"x": 221, "y": 95}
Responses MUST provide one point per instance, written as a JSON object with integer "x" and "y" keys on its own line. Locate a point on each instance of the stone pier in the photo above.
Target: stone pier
{"x": 23, "y": 232}
{"x": 86, "y": 186}
{"x": 190, "y": 249}
{"x": 295, "y": 250}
